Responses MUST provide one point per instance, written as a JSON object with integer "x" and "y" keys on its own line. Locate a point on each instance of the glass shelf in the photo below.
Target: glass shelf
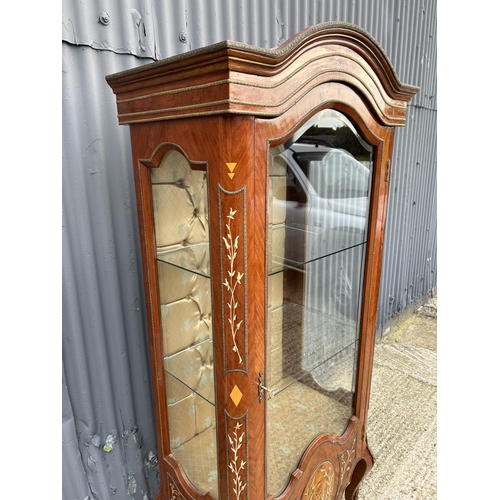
{"x": 328, "y": 382}
{"x": 306, "y": 244}
{"x": 321, "y": 354}
{"x": 194, "y": 258}
{"x": 193, "y": 369}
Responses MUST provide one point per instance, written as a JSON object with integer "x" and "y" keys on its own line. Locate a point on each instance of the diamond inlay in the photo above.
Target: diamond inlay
{"x": 236, "y": 395}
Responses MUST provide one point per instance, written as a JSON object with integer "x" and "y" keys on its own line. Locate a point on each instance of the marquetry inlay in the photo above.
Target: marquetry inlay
{"x": 231, "y": 167}
{"x": 346, "y": 458}
{"x": 175, "y": 494}
{"x": 237, "y": 456}
{"x": 320, "y": 485}
{"x": 232, "y": 281}
{"x": 236, "y": 395}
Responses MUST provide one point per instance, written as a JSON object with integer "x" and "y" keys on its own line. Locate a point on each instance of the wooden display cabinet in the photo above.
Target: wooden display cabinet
{"x": 262, "y": 179}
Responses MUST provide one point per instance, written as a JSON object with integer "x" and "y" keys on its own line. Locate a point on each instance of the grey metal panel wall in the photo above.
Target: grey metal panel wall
{"x": 410, "y": 253}
{"x": 108, "y": 430}
{"x": 108, "y": 427}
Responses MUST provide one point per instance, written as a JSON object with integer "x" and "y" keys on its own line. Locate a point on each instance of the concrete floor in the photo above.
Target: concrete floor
{"x": 402, "y": 420}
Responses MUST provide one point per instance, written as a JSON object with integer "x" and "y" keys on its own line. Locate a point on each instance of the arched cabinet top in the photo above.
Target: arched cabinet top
{"x": 234, "y": 78}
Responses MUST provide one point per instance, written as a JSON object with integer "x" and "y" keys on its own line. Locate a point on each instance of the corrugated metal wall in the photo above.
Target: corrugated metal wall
{"x": 108, "y": 430}
{"x": 409, "y": 271}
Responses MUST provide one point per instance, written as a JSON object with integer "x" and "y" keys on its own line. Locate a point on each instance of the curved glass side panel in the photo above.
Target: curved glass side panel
{"x": 183, "y": 258}
{"x": 319, "y": 196}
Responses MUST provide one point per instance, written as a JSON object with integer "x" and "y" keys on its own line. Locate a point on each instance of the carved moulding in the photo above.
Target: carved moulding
{"x": 265, "y": 82}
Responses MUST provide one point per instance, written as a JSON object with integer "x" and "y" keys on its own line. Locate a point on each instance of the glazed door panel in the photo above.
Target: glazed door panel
{"x": 319, "y": 196}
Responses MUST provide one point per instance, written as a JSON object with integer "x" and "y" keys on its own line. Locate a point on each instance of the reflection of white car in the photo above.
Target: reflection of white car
{"x": 329, "y": 184}
{"x": 326, "y": 203}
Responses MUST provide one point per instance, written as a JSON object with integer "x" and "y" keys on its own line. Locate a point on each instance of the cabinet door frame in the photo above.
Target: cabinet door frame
{"x": 271, "y": 132}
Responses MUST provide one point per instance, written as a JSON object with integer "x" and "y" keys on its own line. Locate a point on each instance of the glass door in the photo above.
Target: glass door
{"x": 319, "y": 197}
{"x": 179, "y": 194}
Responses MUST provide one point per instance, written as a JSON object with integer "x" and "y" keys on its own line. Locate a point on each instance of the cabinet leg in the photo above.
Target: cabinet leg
{"x": 360, "y": 470}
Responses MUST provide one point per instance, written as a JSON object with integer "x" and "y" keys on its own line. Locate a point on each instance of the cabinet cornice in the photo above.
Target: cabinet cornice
{"x": 234, "y": 78}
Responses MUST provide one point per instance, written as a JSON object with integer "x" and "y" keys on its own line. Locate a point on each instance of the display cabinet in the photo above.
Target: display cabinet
{"x": 262, "y": 179}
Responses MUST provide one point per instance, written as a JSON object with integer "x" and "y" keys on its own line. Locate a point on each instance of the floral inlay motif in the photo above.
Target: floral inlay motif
{"x": 236, "y": 443}
{"x": 320, "y": 485}
{"x": 235, "y": 279}
{"x": 175, "y": 493}
{"x": 346, "y": 461}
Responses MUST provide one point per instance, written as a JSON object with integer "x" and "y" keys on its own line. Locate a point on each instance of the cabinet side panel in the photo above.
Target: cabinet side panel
{"x": 150, "y": 144}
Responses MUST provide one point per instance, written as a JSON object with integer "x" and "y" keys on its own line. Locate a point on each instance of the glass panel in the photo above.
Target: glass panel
{"x": 183, "y": 253}
{"x": 320, "y": 182}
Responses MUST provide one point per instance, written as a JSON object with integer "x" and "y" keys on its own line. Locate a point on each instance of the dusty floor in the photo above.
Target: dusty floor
{"x": 403, "y": 411}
